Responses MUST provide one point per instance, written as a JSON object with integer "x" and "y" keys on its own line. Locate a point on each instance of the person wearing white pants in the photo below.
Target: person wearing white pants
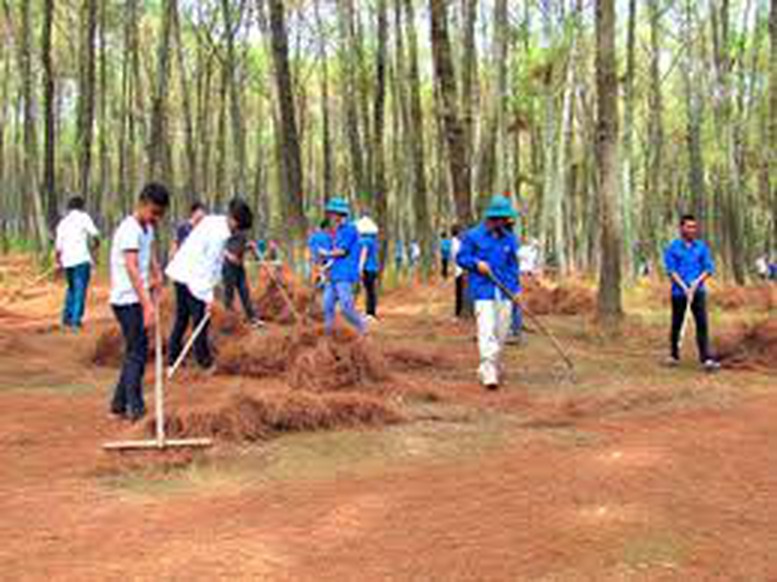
{"x": 494, "y": 318}
{"x": 489, "y": 252}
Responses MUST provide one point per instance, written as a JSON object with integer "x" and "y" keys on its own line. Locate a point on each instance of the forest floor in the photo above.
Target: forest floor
{"x": 633, "y": 471}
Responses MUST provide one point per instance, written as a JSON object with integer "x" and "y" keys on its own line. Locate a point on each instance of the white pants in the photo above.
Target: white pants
{"x": 494, "y": 318}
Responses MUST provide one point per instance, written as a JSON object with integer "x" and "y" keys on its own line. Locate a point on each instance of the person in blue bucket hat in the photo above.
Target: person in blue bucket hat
{"x": 343, "y": 269}
{"x": 489, "y": 251}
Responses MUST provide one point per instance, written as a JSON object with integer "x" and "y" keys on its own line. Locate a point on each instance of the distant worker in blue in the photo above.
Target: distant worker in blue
{"x": 369, "y": 265}
{"x": 489, "y": 251}
{"x": 399, "y": 255}
{"x": 343, "y": 274}
{"x": 320, "y": 239}
{"x": 446, "y": 246}
{"x": 688, "y": 263}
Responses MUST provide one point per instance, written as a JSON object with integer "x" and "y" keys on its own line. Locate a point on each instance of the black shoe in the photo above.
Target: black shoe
{"x": 492, "y": 387}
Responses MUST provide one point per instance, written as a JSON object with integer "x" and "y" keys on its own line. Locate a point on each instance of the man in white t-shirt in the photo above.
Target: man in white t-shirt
{"x": 529, "y": 257}
{"x": 196, "y": 270}
{"x": 135, "y": 278}
{"x": 74, "y": 233}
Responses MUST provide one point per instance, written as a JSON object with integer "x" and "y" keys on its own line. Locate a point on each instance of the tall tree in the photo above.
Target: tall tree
{"x": 291, "y": 159}
{"x": 379, "y": 123}
{"x": 609, "y": 304}
{"x": 86, "y": 94}
{"x": 454, "y": 130}
{"x": 49, "y": 121}
{"x": 159, "y": 162}
{"x": 628, "y": 181}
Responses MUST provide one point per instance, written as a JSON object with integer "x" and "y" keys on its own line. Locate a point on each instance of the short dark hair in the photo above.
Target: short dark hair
{"x": 76, "y": 203}
{"x": 196, "y": 206}
{"x": 241, "y": 213}
{"x": 687, "y": 218}
{"x": 324, "y": 224}
{"x": 156, "y": 194}
{"x": 455, "y": 230}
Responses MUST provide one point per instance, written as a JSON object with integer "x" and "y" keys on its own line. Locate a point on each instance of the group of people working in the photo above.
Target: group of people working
{"x": 209, "y": 249}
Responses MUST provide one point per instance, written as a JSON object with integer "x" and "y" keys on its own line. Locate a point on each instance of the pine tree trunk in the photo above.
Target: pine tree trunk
{"x": 609, "y": 305}
{"x": 86, "y": 96}
{"x": 379, "y": 123}
{"x": 49, "y": 119}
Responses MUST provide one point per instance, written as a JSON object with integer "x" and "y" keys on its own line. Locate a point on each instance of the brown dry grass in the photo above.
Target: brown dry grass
{"x": 752, "y": 346}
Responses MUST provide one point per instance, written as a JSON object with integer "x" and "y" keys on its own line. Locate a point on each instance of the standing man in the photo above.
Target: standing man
{"x": 135, "y": 279}
{"x": 488, "y": 252}
{"x": 74, "y": 233}
{"x": 320, "y": 239}
{"x": 195, "y": 271}
{"x": 235, "y": 276}
{"x": 445, "y": 253}
{"x": 688, "y": 264}
{"x": 344, "y": 270}
{"x": 197, "y": 212}
{"x": 399, "y": 255}
{"x": 368, "y": 264}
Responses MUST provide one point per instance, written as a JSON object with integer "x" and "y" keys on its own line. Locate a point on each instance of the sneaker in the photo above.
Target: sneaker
{"x": 711, "y": 365}
{"x": 672, "y": 362}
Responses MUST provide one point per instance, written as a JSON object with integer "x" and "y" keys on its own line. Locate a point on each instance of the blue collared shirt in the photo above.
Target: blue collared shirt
{"x": 346, "y": 269}
{"x": 499, "y": 251}
{"x": 370, "y": 242}
{"x": 445, "y": 248}
{"x": 320, "y": 240}
{"x": 689, "y": 261}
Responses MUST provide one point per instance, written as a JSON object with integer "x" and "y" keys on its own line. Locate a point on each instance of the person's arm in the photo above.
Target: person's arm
{"x": 670, "y": 264}
{"x": 363, "y": 257}
{"x": 157, "y": 277}
{"x": 132, "y": 263}
{"x": 468, "y": 260}
{"x": 709, "y": 270}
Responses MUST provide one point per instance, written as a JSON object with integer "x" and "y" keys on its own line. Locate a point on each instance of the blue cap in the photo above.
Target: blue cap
{"x": 500, "y": 207}
{"x": 338, "y": 206}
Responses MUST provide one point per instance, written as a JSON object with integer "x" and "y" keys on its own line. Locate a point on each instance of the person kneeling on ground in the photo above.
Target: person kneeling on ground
{"x": 195, "y": 271}
{"x": 72, "y": 248}
{"x": 688, "y": 264}
{"x": 235, "y": 277}
{"x": 488, "y": 252}
{"x": 343, "y": 273}
{"x": 135, "y": 277}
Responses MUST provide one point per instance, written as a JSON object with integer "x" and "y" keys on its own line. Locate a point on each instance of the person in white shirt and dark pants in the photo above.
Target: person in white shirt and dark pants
{"x": 195, "y": 270}
{"x": 74, "y": 233}
{"x": 135, "y": 278}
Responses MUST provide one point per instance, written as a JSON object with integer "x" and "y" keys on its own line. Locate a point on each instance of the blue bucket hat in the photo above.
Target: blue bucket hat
{"x": 338, "y": 206}
{"x": 500, "y": 207}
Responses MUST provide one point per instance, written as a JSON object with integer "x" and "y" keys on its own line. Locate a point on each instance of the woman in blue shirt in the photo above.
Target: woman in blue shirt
{"x": 368, "y": 264}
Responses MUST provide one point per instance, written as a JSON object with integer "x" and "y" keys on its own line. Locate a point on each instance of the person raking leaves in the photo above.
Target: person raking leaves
{"x": 488, "y": 252}
{"x": 689, "y": 264}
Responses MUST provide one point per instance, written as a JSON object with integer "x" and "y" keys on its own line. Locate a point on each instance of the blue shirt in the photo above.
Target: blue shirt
{"x": 445, "y": 248}
{"x": 498, "y": 251}
{"x": 183, "y": 231}
{"x": 320, "y": 240}
{"x": 346, "y": 269}
{"x": 370, "y": 242}
{"x": 399, "y": 252}
{"x": 689, "y": 261}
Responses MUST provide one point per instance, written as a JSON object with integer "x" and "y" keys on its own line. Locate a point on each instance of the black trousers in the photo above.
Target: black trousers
{"x": 235, "y": 278}
{"x": 370, "y": 282}
{"x": 189, "y": 308}
{"x": 699, "y": 310}
{"x": 445, "y": 263}
{"x": 128, "y": 395}
{"x": 461, "y": 284}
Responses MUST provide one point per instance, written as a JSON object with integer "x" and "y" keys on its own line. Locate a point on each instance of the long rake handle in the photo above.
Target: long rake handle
{"x": 264, "y": 264}
{"x": 684, "y": 325}
{"x": 187, "y": 348}
{"x": 537, "y": 321}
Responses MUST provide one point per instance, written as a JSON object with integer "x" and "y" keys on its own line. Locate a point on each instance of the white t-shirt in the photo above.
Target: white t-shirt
{"x": 528, "y": 258}
{"x": 455, "y": 248}
{"x": 130, "y": 236}
{"x": 199, "y": 261}
{"x": 73, "y": 233}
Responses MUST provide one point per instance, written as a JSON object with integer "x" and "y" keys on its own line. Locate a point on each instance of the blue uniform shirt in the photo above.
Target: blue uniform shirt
{"x": 370, "y": 242}
{"x": 346, "y": 269}
{"x": 499, "y": 251}
{"x": 445, "y": 248}
{"x": 689, "y": 261}
{"x": 320, "y": 240}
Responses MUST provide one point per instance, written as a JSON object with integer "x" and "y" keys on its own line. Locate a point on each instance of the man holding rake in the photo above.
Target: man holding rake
{"x": 688, "y": 264}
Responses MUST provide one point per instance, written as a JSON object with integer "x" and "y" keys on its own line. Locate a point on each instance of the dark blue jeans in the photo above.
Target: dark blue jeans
{"x": 75, "y": 298}
{"x": 128, "y": 397}
{"x": 189, "y": 308}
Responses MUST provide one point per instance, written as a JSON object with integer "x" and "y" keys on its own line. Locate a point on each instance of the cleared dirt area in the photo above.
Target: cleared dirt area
{"x": 634, "y": 471}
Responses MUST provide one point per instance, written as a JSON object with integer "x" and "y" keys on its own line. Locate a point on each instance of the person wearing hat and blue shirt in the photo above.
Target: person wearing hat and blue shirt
{"x": 343, "y": 274}
{"x": 489, "y": 251}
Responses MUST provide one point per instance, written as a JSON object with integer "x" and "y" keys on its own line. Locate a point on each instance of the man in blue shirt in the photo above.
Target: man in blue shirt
{"x": 489, "y": 251}
{"x": 688, "y": 264}
{"x": 344, "y": 269}
{"x": 445, "y": 253}
{"x": 197, "y": 212}
{"x": 368, "y": 264}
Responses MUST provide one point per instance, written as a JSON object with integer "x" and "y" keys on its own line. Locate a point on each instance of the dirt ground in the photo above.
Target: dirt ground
{"x": 631, "y": 472}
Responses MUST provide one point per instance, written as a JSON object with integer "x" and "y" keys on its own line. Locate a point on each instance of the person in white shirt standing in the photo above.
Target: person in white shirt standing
{"x": 135, "y": 278}
{"x": 74, "y": 233}
{"x": 196, "y": 270}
